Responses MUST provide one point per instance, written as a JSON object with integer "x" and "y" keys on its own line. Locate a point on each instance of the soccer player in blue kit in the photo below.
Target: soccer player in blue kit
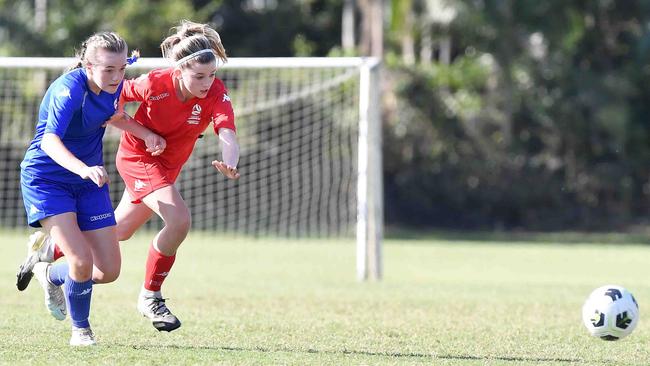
{"x": 64, "y": 183}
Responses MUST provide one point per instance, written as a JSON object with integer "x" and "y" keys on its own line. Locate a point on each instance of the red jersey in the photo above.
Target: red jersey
{"x": 179, "y": 123}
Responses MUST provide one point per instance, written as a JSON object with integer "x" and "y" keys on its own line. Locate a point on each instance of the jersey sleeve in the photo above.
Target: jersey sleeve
{"x": 223, "y": 115}
{"x": 64, "y": 102}
{"x": 135, "y": 90}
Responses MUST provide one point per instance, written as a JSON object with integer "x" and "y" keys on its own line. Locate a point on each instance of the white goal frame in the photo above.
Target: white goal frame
{"x": 369, "y": 229}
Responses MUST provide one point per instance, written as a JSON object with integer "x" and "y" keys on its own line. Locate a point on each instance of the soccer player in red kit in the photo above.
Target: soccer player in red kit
{"x": 177, "y": 103}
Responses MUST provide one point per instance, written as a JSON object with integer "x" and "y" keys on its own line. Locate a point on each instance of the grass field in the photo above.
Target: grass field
{"x": 442, "y": 302}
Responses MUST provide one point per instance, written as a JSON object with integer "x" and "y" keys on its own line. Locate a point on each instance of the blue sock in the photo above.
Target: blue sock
{"x": 58, "y": 273}
{"x": 78, "y": 295}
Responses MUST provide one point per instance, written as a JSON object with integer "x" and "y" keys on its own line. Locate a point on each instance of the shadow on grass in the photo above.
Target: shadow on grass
{"x": 397, "y": 355}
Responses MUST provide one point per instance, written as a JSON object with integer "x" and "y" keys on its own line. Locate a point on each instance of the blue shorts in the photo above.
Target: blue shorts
{"x": 44, "y": 198}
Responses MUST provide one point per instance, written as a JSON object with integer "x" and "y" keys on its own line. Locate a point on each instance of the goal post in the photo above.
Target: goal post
{"x": 369, "y": 174}
{"x": 310, "y": 157}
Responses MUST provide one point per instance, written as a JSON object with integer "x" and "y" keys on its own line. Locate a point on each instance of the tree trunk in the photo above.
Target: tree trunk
{"x": 426, "y": 47}
{"x": 408, "y": 43}
{"x": 445, "y": 50}
{"x": 372, "y": 26}
{"x": 347, "y": 27}
{"x": 40, "y": 15}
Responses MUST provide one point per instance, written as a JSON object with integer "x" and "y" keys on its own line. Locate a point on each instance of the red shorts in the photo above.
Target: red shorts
{"x": 143, "y": 175}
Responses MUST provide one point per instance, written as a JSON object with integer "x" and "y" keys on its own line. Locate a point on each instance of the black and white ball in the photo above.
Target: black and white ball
{"x": 610, "y": 312}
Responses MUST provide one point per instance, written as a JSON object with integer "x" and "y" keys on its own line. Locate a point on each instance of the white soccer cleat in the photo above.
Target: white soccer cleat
{"x": 54, "y": 298}
{"x": 82, "y": 337}
{"x": 155, "y": 309}
{"x": 39, "y": 249}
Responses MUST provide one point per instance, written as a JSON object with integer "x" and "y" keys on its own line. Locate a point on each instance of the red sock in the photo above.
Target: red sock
{"x": 158, "y": 267}
{"x": 57, "y": 252}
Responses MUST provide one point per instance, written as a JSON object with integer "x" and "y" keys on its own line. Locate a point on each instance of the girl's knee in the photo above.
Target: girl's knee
{"x": 186, "y": 223}
{"x": 106, "y": 276}
{"x": 181, "y": 223}
{"x": 124, "y": 232}
{"x": 80, "y": 268}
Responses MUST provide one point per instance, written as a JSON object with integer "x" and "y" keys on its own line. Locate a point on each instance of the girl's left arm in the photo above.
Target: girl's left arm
{"x": 136, "y": 90}
{"x": 229, "y": 154}
{"x": 229, "y": 147}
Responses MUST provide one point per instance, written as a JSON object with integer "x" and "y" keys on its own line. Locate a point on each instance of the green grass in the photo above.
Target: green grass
{"x": 442, "y": 302}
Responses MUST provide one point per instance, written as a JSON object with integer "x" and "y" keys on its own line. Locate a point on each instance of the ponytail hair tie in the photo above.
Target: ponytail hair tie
{"x": 131, "y": 60}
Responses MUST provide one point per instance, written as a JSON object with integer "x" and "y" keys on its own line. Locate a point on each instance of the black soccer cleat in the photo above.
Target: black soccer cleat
{"x": 154, "y": 309}
{"x": 23, "y": 277}
{"x": 168, "y": 325}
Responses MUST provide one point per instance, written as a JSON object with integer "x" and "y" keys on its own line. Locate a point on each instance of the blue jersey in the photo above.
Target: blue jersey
{"x": 76, "y": 114}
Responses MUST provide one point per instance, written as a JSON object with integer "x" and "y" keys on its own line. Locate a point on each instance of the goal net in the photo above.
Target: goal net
{"x": 308, "y": 130}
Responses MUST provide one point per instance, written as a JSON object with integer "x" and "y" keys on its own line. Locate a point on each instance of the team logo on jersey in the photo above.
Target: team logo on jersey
{"x": 101, "y": 217}
{"x": 64, "y": 93}
{"x": 33, "y": 210}
{"x": 139, "y": 185}
{"x": 158, "y": 97}
{"x": 195, "y": 118}
{"x": 226, "y": 98}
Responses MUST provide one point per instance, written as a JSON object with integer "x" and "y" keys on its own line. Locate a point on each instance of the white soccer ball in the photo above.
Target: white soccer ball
{"x": 610, "y": 312}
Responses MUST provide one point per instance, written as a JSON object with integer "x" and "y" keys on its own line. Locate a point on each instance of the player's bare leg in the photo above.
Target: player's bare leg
{"x": 105, "y": 248}
{"x": 130, "y": 217}
{"x": 169, "y": 205}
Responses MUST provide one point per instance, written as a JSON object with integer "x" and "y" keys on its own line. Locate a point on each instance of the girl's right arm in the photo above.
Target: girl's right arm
{"x": 136, "y": 90}
{"x": 52, "y": 145}
{"x": 155, "y": 143}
